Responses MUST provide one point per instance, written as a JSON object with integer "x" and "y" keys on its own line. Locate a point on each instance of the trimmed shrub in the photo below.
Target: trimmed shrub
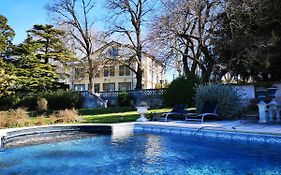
{"x": 57, "y": 100}
{"x": 229, "y": 100}
{"x": 181, "y": 91}
{"x": 64, "y": 99}
{"x": 29, "y": 102}
{"x": 42, "y": 105}
{"x": 8, "y": 102}
{"x": 125, "y": 99}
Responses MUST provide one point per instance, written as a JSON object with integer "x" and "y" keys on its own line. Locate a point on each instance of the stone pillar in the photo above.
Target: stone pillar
{"x": 272, "y": 109}
{"x": 278, "y": 114}
{"x": 262, "y": 115}
{"x": 273, "y": 104}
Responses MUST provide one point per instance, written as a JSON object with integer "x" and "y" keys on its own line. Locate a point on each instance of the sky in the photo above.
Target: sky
{"x": 23, "y": 14}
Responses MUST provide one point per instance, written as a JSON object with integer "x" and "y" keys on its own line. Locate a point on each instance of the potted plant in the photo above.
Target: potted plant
{"x": 142, "y": 110}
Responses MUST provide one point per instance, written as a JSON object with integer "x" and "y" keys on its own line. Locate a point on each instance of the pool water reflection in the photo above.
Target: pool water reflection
{"x": 140, "y": 153}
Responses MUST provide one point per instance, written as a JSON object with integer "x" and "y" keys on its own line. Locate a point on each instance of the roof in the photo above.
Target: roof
{"x": 111, "y": 43}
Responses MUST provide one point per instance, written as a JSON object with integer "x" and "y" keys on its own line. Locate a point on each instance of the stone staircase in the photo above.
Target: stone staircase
{"x": 92, "y": 100}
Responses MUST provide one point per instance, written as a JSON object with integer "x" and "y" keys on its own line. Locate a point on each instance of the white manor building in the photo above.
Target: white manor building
{"x": 114, "y": 76}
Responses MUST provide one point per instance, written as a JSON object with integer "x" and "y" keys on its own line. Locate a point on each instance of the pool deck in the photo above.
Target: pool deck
{"x": 244, "y": 126}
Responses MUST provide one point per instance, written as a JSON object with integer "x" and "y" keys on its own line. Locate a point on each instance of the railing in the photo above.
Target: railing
{"x": 143, "y": 92}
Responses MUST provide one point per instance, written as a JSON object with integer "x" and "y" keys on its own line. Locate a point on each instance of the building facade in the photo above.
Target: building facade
{"x": 112, "y": 75}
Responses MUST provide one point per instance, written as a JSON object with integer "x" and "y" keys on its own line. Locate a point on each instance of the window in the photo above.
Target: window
{"x": 113, "y": 52}
{"x": 97, "y": 74}
{"x": 108, "y": 71}
{"x": 79, "y": 87}
{"x": 124, "y": 71}
{"x": 97, "y": 88}
{"x": 124, "y": 86}
{"x": 108, "y": 87}
{"x": 78, "y": 71}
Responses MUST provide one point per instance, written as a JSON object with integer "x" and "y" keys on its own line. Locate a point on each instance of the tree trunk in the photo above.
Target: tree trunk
{"x": 187, "y": 71}
{"x": 206, "y": 74}
{"x": 91, "y": 75}
{"x": 139, "y": 77}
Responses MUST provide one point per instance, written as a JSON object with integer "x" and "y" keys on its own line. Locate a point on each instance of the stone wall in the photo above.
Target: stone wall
{"x": 248, "y": 91}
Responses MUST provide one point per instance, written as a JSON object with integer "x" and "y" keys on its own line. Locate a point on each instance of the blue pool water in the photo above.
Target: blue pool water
{"x": 141, "y": 153}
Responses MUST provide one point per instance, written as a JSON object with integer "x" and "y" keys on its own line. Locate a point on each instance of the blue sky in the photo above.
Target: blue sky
{"x": 23, "y": 14}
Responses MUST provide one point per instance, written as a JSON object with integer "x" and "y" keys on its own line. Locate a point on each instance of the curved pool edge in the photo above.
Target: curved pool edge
{"x": 219, "y": 134}
{"x": 11, "y": 133}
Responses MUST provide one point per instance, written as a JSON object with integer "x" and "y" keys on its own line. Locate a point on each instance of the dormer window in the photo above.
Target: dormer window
{"x": 108, "y": 71}
{"x": 113, "y": 52}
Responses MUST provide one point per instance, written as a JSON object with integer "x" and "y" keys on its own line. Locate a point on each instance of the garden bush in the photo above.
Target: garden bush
{"x": 8, "y": 102}
{"x": 64, "y": 100}
{"x": 57, "y": 100}
{"x": 29, "y": 102}
{"x": 68, "y": 115}
{"x": 53, "y": 119}
{"x": 41, "y": 120}
{"x": 229, "y": 100}
{"x": 180, "y": 91}
{"x": 17, "y": 118}
{"x": 125, "y": 99}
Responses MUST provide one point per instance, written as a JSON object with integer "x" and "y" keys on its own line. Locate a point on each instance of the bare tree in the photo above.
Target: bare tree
{"x": 76, "y": 17}
{"x": 128, "y": 19}
{"x": 185, "y": 29}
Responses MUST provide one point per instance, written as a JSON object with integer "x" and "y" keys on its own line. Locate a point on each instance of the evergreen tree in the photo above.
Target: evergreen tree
{"x": 7, "y": 78}
{"x": 50, "y": 43}
{"x": 6, "y": 36}
{"x": 33, "y": 75}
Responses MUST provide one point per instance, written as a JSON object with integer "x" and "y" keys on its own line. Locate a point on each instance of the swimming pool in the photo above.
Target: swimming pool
{"x": 141, "y": 153}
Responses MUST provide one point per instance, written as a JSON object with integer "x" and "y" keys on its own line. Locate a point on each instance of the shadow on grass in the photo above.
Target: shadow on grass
{"x": 120, "y": 117}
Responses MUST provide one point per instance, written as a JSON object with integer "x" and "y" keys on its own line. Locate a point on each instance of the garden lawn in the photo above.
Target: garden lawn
{"x": 120, "y": 116}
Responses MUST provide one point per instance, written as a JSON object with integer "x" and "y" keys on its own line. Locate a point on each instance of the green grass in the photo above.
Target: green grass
{"x": 105, "y": 110}
{"x": 120, "y": 116}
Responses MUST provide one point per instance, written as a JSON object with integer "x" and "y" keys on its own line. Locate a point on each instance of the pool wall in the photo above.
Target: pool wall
{"x": 121, "y": 131}
{"x": 15, "y": 134}
{"x": 211, "y": 133}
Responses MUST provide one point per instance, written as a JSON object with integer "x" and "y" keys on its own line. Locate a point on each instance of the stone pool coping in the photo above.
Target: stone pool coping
{"x": 222, "y": 130}
{"x": 241, "y": 126}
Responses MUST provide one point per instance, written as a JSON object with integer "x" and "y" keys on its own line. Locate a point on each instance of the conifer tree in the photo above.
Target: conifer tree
{"x": 50, "y": 43}
{"x": 7, "y": 79}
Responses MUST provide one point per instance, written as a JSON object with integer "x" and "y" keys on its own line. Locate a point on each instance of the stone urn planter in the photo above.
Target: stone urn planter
{"x": 142, "y": 110}
{"x": 271, "y": 92}
{"x": 261, "y": 94}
